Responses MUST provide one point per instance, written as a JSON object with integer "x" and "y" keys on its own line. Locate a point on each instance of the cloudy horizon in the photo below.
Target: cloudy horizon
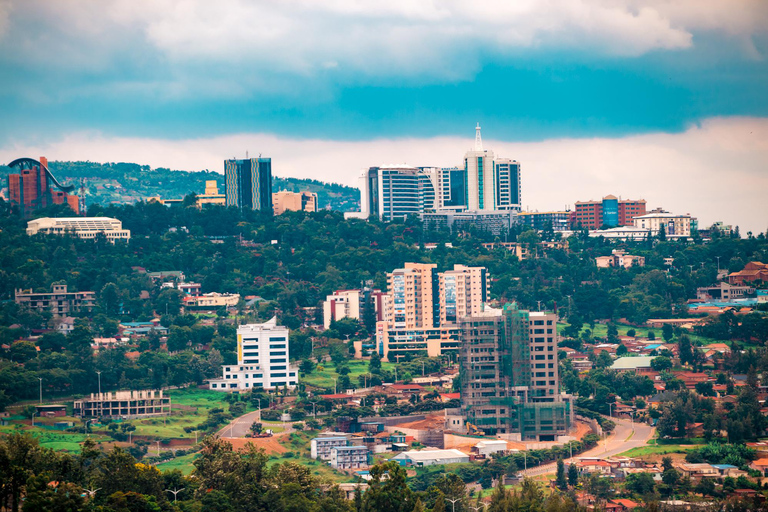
{"x": 653, "y": 99}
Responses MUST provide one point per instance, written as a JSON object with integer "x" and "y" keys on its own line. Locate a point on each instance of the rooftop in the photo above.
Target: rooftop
{"x": 632, "y": 363}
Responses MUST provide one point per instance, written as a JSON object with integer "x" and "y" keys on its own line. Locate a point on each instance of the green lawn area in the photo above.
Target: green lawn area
{"x": 323, "y": 375}
{"x": 601, "y": 331}
{"x": 657, "y": 450}
{"x": 183, "y": 463}
{"x": 202, "y": 400}
{"x": 62, "y": 441}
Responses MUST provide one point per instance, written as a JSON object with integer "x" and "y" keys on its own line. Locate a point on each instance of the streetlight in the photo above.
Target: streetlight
{"x": 335, "y": 390}
{"x": 632, "y": 420}
{"x": 41, "y": 389}
{"x": 92, "y": 492}
{"x": 610, "y": 405}
{"x": 718, "y": 263}
{"x": 33, "y": 418}
{"x": 99, "y": 374}
{"x": 101, "y": 400}
{"x": 175, "y": 492}
{"x": 314, "y": 413}
{"x": 453, "y": 503}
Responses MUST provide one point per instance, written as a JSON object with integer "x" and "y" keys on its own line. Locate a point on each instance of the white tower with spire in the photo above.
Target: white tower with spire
{"x": 479, "y": 165}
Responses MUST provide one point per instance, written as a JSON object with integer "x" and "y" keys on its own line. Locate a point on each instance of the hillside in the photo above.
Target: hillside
{"x": 126, "y": 183}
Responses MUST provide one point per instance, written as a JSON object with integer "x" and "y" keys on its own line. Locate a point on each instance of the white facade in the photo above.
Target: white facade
{"x": 320, "y": 447}
{"x": 262, "y": 360}
{"x": 675, "y": 226}
{"x": 349, "y": 457}
{"x": 430, "y": 457}
{"x": 82, "y": 227}
{"x": 342, "y": 304}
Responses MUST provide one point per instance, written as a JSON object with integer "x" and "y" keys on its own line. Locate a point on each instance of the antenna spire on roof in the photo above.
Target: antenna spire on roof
{"x": 478, "y": 139}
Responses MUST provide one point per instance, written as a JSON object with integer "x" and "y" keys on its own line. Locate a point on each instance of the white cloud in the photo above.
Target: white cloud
{"x": 376, "y": 39}
{"x": 5, "y": 14}
{"x": 714, "y": 171}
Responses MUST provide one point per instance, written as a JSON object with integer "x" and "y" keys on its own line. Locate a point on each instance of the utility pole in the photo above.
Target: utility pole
{"x": 41, "y": 389}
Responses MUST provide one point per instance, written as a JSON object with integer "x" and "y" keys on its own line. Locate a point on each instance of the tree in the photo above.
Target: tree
{"x": 573, "y": 475}
{"x": 109, "y": 299}
{"x": 604, "y": 360}
{"x": 374, "y": 365}
{"x": 661, "y": 363}
{"x": 651, "y": 335}
{"x": 667, "y": 332}
{"x": 561, "y": 481}
{"x": 390, "y": 495}
{"x": 641, "y": 484}
{"x": 621, "y": 350}
{"x": 306, "y": 366}
{"x": 23, "y": 351}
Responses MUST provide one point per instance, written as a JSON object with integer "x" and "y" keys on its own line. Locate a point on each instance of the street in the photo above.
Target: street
{"x": 616, "y": 443}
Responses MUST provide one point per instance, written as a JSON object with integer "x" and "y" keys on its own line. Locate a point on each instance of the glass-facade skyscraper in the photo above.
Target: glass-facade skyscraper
{"x": 249, "y": 183}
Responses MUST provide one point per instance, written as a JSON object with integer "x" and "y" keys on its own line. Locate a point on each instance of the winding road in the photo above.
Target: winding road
{"x": 622, "y": 438}
{"x": 241, "y": 425}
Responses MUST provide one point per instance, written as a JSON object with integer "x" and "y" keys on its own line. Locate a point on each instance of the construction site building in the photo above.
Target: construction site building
{"x": 509, "y": 379}
{"x": 124, "y": 404}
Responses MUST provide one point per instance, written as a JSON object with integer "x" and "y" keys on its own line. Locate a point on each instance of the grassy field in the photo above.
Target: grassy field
{"x": 183, "y": 463}
{"x": 644, "y": 451}
{"x": 323, "y": 375}
{"x": 202, "y": 400}
{"x": 601, "y": 331}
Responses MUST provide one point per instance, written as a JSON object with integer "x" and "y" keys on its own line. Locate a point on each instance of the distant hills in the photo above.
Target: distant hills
{"x": 120, "y": 183}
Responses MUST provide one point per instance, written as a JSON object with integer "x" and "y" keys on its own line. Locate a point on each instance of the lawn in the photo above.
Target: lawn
{"x": 644, "y": 451}
{"x": 202, "y": 400}
{"x": 65, "y": 441}
{"x": 183, "y": 463}
{"x": 601, "y": 331}
{"x": 323, "y": 375}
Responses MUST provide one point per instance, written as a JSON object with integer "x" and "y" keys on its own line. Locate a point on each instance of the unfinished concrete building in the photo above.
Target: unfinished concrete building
{"x": 124, "y": 404}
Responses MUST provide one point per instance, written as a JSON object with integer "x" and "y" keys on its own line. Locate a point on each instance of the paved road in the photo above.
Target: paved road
{"x": 614, "y": 444}
{"x": 242, "y": 425}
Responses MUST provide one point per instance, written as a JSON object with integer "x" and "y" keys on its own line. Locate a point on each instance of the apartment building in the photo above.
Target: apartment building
{"x": 349, "y": 457}
{"x": 87, "y": 228}
{"x": 320, "y": 447}
{"x": 510, "y": 380}
{"x": 263, "y": 360}
{"x": 353, "y": 304}
{"x": 211, "y": 300}
{"x": 59, "y": 301}
{"x": 425, "y": 306}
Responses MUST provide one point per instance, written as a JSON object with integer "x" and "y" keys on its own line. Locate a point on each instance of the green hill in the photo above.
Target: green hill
{"x": 126, "y": 183}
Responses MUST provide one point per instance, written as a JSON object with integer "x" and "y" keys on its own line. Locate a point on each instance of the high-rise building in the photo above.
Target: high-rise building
{"x": 492, "y": 184}
{"x": 424, "y": 308}
{"x": 611, "y": 212}
{"x": 263, "y": 360}
{"x": 452, "y": 189}
{"x": 59, "y": 301}
{"x": 509, "y": 378}
{"x": 398, "y": 191}
{"x": 34, "y": 187}
{"x": 285, "y": 200}
{"x": 248, "y": 183}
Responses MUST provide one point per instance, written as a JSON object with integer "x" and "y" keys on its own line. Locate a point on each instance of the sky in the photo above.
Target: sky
{"x": 658, "y": 99}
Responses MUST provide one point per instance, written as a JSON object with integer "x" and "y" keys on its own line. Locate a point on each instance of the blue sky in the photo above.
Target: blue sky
{"x": 530, "y": 71}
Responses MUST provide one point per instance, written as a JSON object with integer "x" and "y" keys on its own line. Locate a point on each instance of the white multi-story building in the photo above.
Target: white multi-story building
{"x": 349, "y": 457}
{"x": 398, "y": 191}
{"x": 82, "y": 227}
{"x": 352, "y": 304}
{"x": 675, "y": 226}
{"x": 320, "y": 447}
{"x": 262, "y": 360}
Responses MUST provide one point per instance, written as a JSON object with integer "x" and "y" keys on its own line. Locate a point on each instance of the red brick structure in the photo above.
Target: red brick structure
{"x": 752, "y": 271}
{"x": 34, "y": 187}
{"x": 589, "y": 214}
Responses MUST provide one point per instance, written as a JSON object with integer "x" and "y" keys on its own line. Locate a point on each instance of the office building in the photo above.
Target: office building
{"x": 248, "y": 183}
{"x": 59, "y": 302}
{"x": 541, "y": 221}
{"x": 211, "y": 300}
{"x": 492, "y": 184}
{"x": 87, "y": 228}
{"x": 263, "y": 360}
{"x": 452, "y": 189}
{"x": 610, "y": 212}
{"x": 509, "y": 379}
{"x": 507, "y": 184}
{"x": 397, "y": 191}
{"x": 34, "y": 187}
{"x": 675, "y": 226}
{"x": 353, "y": 304}
{"x": 294, "y": 201}
{"x": 124, "y": 404}
{"x": 425, "y": 306}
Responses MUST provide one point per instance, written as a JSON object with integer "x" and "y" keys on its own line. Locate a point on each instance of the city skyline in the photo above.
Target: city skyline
{"x": 594, "y": 98}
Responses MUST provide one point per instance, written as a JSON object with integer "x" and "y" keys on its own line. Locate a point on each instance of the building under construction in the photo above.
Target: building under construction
{"x": 509, "y": 375}
{"x": 124, "y": 404}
